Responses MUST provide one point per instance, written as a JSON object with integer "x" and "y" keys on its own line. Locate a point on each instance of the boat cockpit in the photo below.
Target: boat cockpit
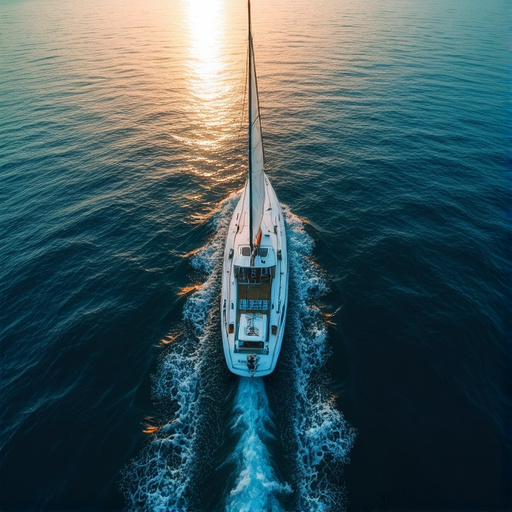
{"x": 253, "y": 308}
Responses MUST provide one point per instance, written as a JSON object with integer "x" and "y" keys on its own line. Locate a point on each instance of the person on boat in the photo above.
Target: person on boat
{"x": 252, "y": 361}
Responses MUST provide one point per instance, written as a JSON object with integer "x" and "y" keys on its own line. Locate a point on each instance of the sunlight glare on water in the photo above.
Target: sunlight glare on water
{"x": 214, "y": 74}
{"x": 206, "y": 25}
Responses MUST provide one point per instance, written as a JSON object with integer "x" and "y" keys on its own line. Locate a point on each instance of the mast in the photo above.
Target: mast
{"x": 256, "y": 178}
{"x": 250, "y": 126}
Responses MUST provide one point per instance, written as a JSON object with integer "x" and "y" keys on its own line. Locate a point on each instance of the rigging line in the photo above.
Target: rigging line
{"x": 258, "y": 101}
{"x": 242, "y": 112}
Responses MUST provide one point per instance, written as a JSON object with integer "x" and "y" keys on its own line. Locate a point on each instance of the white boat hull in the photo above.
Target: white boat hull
{"x": 254, "y": 290}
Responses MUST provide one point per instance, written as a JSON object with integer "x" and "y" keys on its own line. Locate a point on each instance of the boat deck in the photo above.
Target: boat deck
{"x": 254, "y": 297}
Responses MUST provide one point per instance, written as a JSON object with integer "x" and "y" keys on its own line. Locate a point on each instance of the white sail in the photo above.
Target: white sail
{"x": 256, "y": 175}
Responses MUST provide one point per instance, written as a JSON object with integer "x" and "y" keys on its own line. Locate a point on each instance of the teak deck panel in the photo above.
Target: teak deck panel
{"x": 254, "y": 291}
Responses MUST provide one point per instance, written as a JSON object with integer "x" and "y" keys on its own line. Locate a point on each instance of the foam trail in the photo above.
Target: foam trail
{"x": 322, "y": 436}
{"x": 257, "y": 487}
{"x": 161, "y": 477}
{"x": 165, "y": 475}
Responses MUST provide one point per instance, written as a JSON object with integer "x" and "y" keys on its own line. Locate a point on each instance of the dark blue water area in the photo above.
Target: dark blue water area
{"x": 425, "y": 326}
{"x": 387, "y": 132}
{"x": 82, "y": 316}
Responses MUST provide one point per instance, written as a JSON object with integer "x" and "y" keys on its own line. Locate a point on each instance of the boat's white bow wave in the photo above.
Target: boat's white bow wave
{"x": 166, "y": 472}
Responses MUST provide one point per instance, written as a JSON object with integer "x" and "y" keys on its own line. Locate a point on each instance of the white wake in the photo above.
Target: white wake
{"x": 257, "y": 487}
{"x": 323, "y": 438}
{"x": 165, "y": 474}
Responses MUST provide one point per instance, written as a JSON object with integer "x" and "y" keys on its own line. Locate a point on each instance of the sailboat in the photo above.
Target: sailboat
{"x": 255, "y": 269}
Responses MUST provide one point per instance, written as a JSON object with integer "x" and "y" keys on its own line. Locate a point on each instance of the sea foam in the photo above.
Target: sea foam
{"x": 257, "y": 487}
{"x": 162, "y": 475}
{"x": 165, "y": 473}
{"x": 322, "y": 436}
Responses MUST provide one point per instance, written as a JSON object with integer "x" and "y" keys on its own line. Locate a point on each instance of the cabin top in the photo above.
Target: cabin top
{"x": 265, "y": 257}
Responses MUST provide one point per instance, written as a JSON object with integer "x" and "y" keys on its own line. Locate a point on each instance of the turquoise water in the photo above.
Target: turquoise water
{"x": 122, "y": 148}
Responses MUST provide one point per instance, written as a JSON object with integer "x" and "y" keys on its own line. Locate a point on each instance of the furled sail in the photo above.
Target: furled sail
{"x": 256, "y": 175}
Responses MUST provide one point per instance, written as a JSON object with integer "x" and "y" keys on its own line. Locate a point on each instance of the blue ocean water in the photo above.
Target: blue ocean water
{"x": 122, "y": 148}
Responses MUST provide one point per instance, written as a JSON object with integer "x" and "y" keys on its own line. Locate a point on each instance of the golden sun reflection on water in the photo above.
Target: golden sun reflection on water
{"x": 211, "y": 86}
{"x": 206, "y": 30}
